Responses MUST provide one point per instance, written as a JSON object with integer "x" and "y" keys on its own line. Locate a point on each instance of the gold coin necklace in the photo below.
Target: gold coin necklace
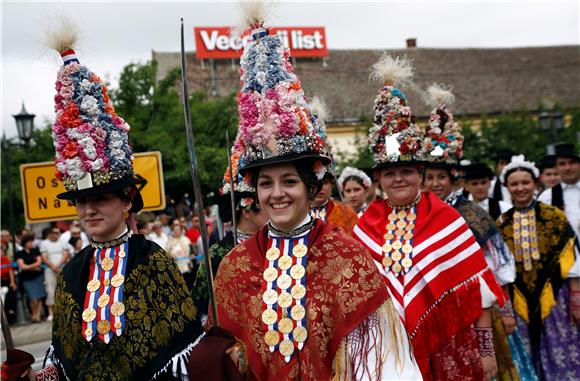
{"x": 320, "y": 212}
{"x": 284, "y": 294}
{"x": 398, "y": 246}
{"x": 525, "y": 238}
{"x": 104, "y": 312}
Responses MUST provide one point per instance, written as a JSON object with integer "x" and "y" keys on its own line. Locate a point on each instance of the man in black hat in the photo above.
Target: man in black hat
{"x": 477, "y": 183}
{"x": 549, "y": 176}
{"x": 566, "y": 195}
{"x": 497, "y": 190}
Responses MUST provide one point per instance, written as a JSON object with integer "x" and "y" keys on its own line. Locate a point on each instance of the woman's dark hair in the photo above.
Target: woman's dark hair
{"x": 225, "y": 205}
{"x": 132, "y": 195}
{"x": 73, "y": 240}
{"x": 26, "y": 238}
{"x": 447, "y": 169}
{"x": 508, "y": 173}
{"x": 353, "y": 178}
{"x": 305, "y": 169}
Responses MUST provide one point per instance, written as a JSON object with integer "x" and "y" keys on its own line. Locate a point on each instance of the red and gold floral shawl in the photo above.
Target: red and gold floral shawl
{"x": 343, "y": 289}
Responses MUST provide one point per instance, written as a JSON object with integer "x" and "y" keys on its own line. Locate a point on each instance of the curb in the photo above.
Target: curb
{"x": 31, "y": 333}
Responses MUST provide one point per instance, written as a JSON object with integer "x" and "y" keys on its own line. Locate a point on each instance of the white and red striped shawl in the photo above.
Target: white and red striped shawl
{"x": 440, "y": 295}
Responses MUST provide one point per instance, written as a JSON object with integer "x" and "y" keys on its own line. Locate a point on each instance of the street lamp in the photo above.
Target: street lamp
{"x": 551, "y": 122}
{"x": 24, "y": 125}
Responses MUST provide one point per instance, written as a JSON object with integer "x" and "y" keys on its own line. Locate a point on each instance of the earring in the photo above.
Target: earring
{"x": 125, "y": 215}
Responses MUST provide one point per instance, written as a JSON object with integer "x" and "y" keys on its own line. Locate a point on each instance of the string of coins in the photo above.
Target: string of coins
{"x": 284, "y": 295}
{"x": 398, "y": 246}
{"x": 526, "y": 238}
{"x": 319, "y": 212}
{"x": 104, "y": 311}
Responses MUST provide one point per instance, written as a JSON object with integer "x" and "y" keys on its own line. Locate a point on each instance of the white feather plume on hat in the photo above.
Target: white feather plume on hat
{"x": 393, "y": 71}
{"x": 63, "y": 36}
{"x": 319, "y": 108}
{"x": 437, "y": 95}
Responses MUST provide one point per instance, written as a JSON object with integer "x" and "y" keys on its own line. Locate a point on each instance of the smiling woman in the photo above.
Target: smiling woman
{"x": 546, "y": 291}
{"x": 429, "y": 259}
{"x": 283, "y": 195}
{"x": 313, "y": 303}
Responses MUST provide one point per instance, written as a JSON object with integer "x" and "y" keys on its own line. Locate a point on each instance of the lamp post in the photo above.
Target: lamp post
{"x": 24, "y": 125}
{"x": 11, "y": 222}
{"x": 552, "y": 123}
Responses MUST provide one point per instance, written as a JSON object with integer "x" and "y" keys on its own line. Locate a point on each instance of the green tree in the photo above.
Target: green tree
{"x": 155, "y": 112}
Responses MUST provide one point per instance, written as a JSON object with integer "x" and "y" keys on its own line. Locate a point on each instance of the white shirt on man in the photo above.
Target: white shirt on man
{"x": 54, "y": 250}
{"x": 65, "y": 237}
{"x": 503, "y": 206}
{"x": 571, "y": 195}
{"x": 160, "y": 239}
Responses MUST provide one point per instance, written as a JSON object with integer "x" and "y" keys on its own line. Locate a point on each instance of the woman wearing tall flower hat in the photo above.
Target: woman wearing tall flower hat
{"x": 355, "y": 185}
{"x": 429, "y": 259}
{"x": 546, "y": 293}
{"x": 304, "y": 300}
{"x": 122, "y": 309}
{"x": 444, "y": 146}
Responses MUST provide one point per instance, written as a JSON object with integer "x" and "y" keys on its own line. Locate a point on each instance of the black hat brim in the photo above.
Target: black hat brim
{"x": 111, "y": 186}
{"x": 441, "y": 165}
{"x": 399, "y": 163}
{"x": 285, "y": 159}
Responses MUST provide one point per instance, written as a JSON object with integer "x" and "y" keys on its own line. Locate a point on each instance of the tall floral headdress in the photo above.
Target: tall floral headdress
{"x": 443, "y": 139}
{"x": 91, "y": 141}
{"x": 276, "y": 124}
{"x": 394, "y": 136}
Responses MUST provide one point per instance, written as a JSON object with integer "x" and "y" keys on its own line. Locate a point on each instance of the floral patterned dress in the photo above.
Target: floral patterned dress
{"x": 542, "y": 242}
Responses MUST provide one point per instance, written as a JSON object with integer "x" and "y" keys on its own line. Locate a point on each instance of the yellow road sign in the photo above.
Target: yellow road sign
{"x": 40, "y": 187}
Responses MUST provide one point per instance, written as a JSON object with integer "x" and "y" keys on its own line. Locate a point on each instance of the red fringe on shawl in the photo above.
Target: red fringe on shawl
{"x": 457, "y": 311}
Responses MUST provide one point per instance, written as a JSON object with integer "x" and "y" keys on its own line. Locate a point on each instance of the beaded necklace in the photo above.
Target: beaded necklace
{"x": 398, "y": 246}
{"x": 284, "y": 291}
{"x": 320, "y": 212}
{"x": 526, "y": 237}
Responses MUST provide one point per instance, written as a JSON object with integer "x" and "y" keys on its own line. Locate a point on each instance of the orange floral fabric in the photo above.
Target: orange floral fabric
{"x": 341, "y": 216}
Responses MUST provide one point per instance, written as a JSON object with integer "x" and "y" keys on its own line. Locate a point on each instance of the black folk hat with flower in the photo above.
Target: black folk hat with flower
{"x": 244, "y": 191}
{"x": 394, "y": 138}
{"x": 443, "y": 139}
{"x": 319, "y": 110}
{"x": 93, "y": 155}
{"x": 276, "y": 125}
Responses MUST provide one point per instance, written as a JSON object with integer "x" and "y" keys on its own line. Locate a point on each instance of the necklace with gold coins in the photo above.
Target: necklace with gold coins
{"x": 526, "y": 238}
{"x": 398, "y": 246}
{"x": 104, "y": 312}
{"x": 284, "y": 293}
{"x": 320, "y": 212}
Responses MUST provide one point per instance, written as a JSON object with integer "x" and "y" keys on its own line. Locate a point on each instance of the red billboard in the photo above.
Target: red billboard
{"x": 217, "y": 42}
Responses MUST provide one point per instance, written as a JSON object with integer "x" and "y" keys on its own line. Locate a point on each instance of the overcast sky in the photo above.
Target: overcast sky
{"x": 115, "y": 34}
